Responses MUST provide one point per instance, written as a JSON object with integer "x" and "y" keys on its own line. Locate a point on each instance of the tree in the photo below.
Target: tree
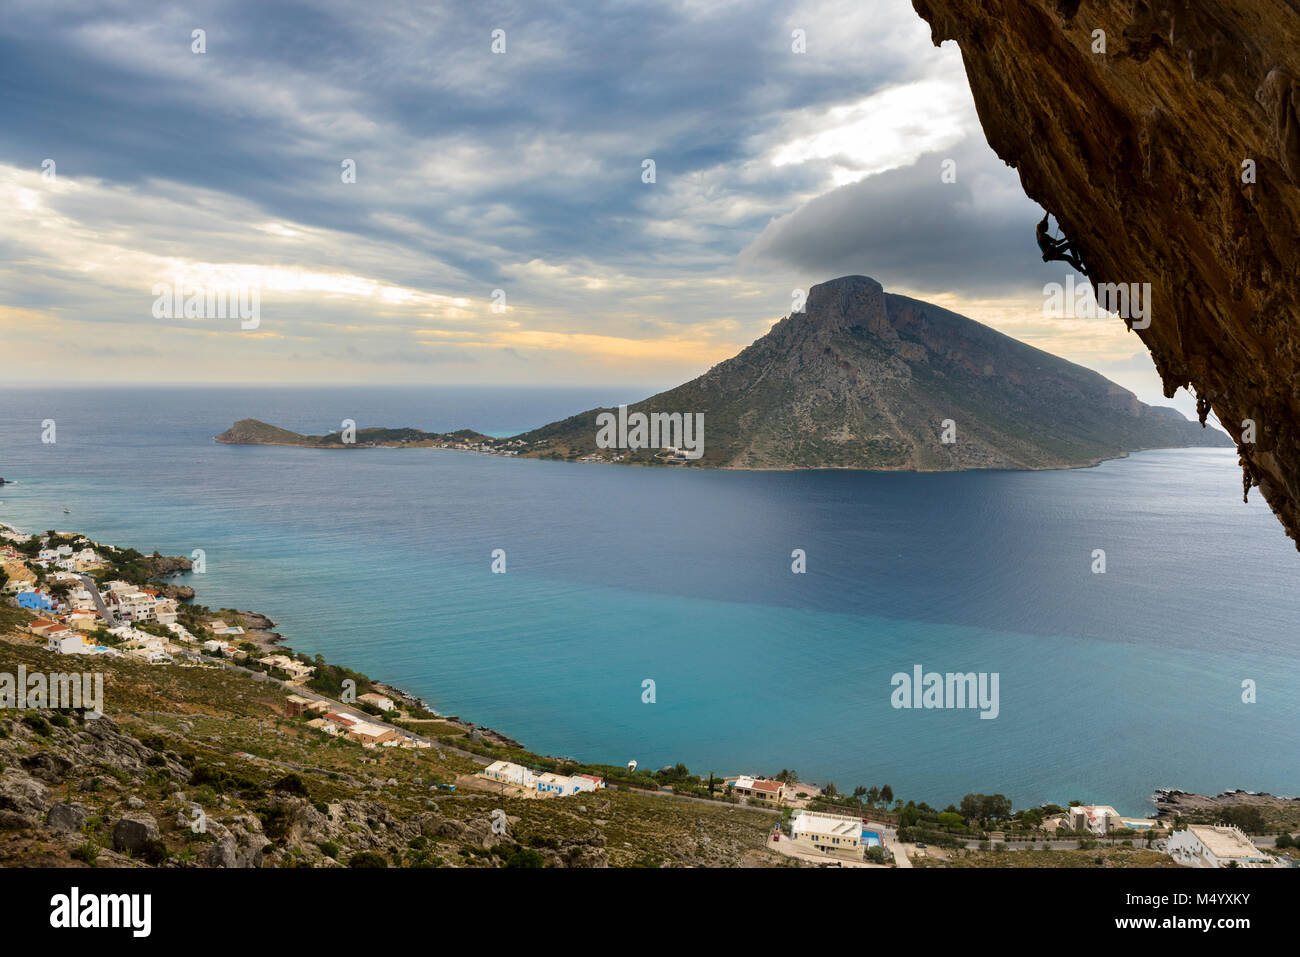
{"x": 830, "y": 791}
{"x": 60, "y": 589}
{"x": 997, "y": 808}
{"x": 858, "y": 793}
{"x": 873, "y": 795}
{"x": 887, "y": 794}
{"x": 1249, "y": 819}
{"x": 525, "y": 857}
{"x": 910, "y": 816}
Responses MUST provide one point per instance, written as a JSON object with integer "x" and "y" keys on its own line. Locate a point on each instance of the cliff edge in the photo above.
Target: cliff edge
{"x": 1164, "y": 135}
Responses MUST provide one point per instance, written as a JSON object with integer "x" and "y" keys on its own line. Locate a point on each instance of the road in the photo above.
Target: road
{"x": 109, "y": 619}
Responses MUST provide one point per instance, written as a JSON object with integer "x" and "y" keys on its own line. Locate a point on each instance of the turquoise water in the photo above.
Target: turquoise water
{"x": 1109, "y": 685}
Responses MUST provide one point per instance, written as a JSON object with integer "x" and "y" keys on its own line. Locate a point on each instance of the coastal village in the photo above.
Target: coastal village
{"x": 76, "y": 615}
{"x": 77, "y": 606}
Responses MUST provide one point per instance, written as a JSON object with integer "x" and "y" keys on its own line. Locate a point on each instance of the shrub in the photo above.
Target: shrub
{"x": 37, "y": 724}
{"x": 525, "y": 857}
{"x": 291, "y": 784}
{"x": 155, "y": 853}
{"x": 367, "y": 859}
{"x": 87, "y": 853}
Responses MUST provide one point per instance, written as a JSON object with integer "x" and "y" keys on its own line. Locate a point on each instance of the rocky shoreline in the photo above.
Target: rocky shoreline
{"x": 1171, "y": 802}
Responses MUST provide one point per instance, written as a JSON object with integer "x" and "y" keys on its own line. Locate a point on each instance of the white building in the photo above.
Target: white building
{"x": 558, "y": 784}
{"x": 136, "y": 605}
{"x": 508, "y": 773}
{"x": 63, "y": 643}
{"x": 1097, "y": 818}
{"x": 296, "y": 670}
{"x": 154, "y": 656}
{"x": 836, "y": 834}
{"x": 165, "y": 611}
{"x": 80, "y": 599}
{"x": 1203, "y": 845}
{"x": 547, "y": 783}
{"x": 587, "y": 782}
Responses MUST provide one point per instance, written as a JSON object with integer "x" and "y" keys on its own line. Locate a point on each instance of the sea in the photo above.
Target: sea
{"x": 655, "y": 614}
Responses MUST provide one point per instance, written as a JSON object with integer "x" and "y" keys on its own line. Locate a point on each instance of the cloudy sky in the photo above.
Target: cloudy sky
{"x": 129, "y": 160}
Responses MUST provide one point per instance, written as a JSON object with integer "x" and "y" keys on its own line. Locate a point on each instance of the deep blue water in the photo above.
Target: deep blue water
{"x": 1110, "y": 685}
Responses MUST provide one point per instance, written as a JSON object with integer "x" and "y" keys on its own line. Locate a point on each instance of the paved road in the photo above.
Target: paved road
{"x": 1070, "y": 844}
{"x": 91, "y": 587}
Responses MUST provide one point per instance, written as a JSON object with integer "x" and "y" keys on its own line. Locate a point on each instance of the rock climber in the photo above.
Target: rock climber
{"x": 1057, "y": 249}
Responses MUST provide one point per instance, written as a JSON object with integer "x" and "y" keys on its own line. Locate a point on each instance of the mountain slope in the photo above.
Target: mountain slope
{"x": 865, "y": 379}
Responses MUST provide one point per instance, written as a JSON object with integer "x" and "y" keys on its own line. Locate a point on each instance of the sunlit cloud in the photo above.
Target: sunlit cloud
{"x": 478, "y": 172}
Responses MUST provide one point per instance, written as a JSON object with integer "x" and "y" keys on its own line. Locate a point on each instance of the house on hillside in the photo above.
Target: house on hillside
{"x": 760, "y": 789}
{"x": 296, "y": 670}
{"x": 36, "y": 601}
{"x": 836, "y": 834}
{"x": 67, "y": 643}
{"x": 1202, "y": 845}
{"x": 545, "y": 784}
{"x": 1100, "y": 819}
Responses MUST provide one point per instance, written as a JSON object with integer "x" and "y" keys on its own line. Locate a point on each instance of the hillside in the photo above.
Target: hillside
{"x": 865, "y": 379}
{"x": 255, "y": 432}
{"x": 125, "y": 790}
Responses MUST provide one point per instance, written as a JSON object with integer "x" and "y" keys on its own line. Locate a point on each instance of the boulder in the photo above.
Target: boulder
{"x": 135, "y": 831}
{"x": 69, "y": 818}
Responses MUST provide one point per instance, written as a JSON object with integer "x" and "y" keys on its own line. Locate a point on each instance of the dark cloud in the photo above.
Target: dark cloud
{"x": 907, "y": 228}
{"x": 286, "y": 91}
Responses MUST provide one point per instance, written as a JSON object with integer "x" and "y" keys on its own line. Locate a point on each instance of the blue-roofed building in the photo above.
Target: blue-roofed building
{"x": 35, "y": 601}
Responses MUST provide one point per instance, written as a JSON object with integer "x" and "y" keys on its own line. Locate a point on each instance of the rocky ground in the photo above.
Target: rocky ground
{"x": 1279, "y": 812}
{"x": 197, "y": 767}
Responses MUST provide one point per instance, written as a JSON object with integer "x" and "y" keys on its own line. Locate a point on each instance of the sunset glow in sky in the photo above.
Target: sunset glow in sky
{"x": 479, "y": 171}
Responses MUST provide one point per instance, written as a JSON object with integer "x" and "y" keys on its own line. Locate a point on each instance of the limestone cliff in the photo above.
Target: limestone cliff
{"x": 1168, "y": 146}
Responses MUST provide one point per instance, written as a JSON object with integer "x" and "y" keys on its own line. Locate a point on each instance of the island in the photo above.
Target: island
{"x": 860, "y": 379}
